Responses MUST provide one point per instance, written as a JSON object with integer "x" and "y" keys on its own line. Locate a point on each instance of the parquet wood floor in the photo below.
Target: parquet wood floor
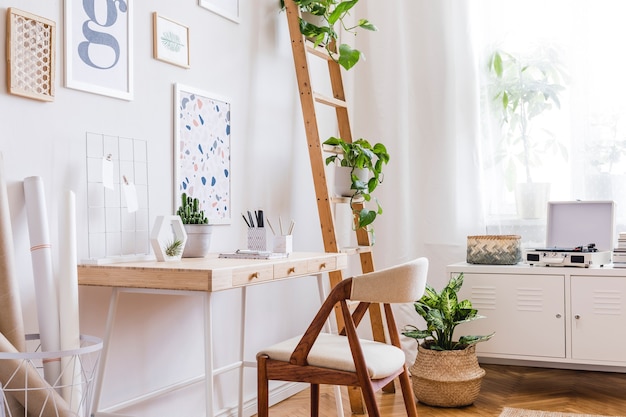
{"x": 570, "y": 391}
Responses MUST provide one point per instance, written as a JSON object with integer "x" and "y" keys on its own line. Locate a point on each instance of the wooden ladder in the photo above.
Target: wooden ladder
{"x": 301, "y": 50}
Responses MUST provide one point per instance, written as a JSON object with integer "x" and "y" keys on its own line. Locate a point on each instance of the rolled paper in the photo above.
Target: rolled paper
{"x": 46, "y": 293}
{"x": 68, "y": 302}
{"x": 13, "y": 406}
{"x": 11, "y": 321}
{"x": 20, "y": 378}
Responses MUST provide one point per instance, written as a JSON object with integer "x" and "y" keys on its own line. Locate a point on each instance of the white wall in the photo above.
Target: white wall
{"x": 158, "y": 338}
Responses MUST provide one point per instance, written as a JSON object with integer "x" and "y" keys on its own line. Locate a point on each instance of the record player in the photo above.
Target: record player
{"x": 584, "y": 256}
{"x": 569, "y": 225}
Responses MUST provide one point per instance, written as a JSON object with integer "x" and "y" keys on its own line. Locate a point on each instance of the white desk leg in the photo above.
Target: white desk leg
{"x": 242, "y": 350}
{"x": 208, "y": 354}
{"x": 336, "y": 388}
{"x": 105, "y": 348}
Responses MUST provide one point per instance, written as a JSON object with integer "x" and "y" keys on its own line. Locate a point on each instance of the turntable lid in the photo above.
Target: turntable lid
{"x": 576, "y": 223}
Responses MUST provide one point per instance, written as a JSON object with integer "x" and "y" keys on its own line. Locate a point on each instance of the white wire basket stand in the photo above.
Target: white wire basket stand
{"x": 27, "y": 390}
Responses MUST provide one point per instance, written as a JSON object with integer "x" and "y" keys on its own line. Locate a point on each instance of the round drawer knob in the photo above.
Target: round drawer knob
{"x": 577, "y": 316}
{"x": 558, "y": 315}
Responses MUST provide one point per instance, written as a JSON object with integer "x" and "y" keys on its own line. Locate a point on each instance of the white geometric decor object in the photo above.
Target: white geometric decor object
{"x": 166, "y": 230}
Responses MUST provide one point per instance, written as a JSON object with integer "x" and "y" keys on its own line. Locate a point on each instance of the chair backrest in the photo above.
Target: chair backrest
{"x": 403, "y": 283}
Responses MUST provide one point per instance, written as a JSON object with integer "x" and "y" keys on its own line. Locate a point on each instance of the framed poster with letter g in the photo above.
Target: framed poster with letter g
{"x": 98, "y": 47}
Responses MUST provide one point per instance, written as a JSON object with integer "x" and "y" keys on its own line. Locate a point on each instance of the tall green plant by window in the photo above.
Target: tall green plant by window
{"x": 522, "y": 89}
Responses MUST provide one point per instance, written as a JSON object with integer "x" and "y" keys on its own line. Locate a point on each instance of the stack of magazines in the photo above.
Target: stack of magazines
{"x": 619, "y": 253}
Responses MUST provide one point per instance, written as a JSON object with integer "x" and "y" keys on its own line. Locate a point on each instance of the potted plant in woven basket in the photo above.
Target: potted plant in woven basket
{"x": 446, "y": 372}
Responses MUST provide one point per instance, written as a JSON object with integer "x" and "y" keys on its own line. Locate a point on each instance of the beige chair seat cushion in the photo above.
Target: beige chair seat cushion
{"x": 333, "y": 352}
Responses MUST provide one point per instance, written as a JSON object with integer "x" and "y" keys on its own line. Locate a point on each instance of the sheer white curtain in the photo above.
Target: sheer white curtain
{"x": 425, "y": 91}
{"x": 590, "y": 123}
{"x": 418, "y": 93}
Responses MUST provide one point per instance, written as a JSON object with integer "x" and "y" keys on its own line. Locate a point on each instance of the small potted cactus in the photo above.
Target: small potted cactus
{"x": 197, "y": 227}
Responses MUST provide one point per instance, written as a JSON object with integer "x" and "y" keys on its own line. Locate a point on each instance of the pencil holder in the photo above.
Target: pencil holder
{"x": 257, "y": 239}
{"x": 283, "y": 244}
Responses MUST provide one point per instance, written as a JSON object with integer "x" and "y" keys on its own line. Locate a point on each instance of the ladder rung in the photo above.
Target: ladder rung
{"x": 318, "y": 51}
{"x": 340, "y": 200}
{"x": 355, "y": 250}
{"x": 330, "y": 101}
{"x": 346, "y": 200}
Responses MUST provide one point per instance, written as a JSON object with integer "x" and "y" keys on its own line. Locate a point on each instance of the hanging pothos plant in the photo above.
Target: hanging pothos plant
{"x": 360, "y": 154}
{"x": 331, "y": 14}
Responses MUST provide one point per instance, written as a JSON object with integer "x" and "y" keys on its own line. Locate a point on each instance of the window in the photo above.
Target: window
{"x": 553, "y": 109}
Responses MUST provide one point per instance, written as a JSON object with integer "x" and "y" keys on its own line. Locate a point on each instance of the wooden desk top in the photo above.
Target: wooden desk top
{"x": 208, "y": 274}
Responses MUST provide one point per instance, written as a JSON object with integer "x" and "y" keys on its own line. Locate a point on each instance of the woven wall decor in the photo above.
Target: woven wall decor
{"x": 30, "y": 55}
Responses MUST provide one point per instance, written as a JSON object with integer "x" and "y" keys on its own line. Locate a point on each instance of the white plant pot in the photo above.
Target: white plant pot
{"x": 532, "y": 199}
{"x": 343, "y": 180}
{"x": 198, "y": 240}
{"x": 315, "y": 20}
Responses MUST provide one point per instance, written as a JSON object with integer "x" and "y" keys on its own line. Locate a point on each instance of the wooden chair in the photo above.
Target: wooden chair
{"x": 344, "y": 359}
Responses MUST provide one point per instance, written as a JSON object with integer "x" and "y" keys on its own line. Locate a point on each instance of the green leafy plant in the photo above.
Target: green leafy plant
{"x": 332, "y": 13}
{"x": 174, "y": 248}
{"x": 522, "y": 89}
{"x": 189, "y": 211}
{"x": 360, "y": 154}
{"x": 443, "y": 312}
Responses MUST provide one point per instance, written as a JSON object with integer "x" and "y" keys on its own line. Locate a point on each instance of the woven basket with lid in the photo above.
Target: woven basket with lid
{"x": 494, "y": 249}
{"x": 449, "y": 378}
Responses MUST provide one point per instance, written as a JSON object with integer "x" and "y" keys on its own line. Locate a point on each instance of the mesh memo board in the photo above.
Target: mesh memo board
{"x": 115, "y": 231}
{"x": 31, "y": 48}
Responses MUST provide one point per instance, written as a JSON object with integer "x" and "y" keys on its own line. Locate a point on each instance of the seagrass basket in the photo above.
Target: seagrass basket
{"x": 494, "y": 249}
{"x": 449, "y": 378}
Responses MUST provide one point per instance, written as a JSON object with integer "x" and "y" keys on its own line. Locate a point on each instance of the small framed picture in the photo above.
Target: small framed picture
{"x": 225, "y": 8}
{"x": 171, "y": 41}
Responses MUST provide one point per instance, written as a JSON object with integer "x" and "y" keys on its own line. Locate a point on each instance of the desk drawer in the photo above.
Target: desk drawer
{"x": 316, "y": 266}
{"x": 245, "y": 276}
{"x": 291, "y": 269}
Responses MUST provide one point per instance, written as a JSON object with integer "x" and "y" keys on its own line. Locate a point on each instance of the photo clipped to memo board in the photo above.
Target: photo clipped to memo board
{"x": 202, "y": 151}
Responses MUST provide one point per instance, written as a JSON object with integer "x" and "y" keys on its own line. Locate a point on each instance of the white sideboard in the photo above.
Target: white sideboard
{"x": 563, "y": 317}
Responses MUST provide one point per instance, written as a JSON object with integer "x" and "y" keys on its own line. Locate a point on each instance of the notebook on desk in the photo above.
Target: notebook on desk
{"x": 253, "y": 254}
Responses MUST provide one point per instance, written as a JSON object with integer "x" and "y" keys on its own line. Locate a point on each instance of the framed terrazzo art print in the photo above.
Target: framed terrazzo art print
{"x": 202, "y": 127}
{"x": 170, "y": 41}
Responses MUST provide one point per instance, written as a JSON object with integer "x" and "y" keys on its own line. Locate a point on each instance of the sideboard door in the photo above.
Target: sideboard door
{"x": 527, "y": 313}
{"x": 598, "y": 318}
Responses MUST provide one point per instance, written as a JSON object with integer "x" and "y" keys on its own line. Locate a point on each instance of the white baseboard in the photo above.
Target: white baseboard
{"x": 277, "y": 394}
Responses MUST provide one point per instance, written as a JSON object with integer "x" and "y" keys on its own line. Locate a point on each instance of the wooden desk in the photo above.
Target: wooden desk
{"x": 199, "y": 277}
